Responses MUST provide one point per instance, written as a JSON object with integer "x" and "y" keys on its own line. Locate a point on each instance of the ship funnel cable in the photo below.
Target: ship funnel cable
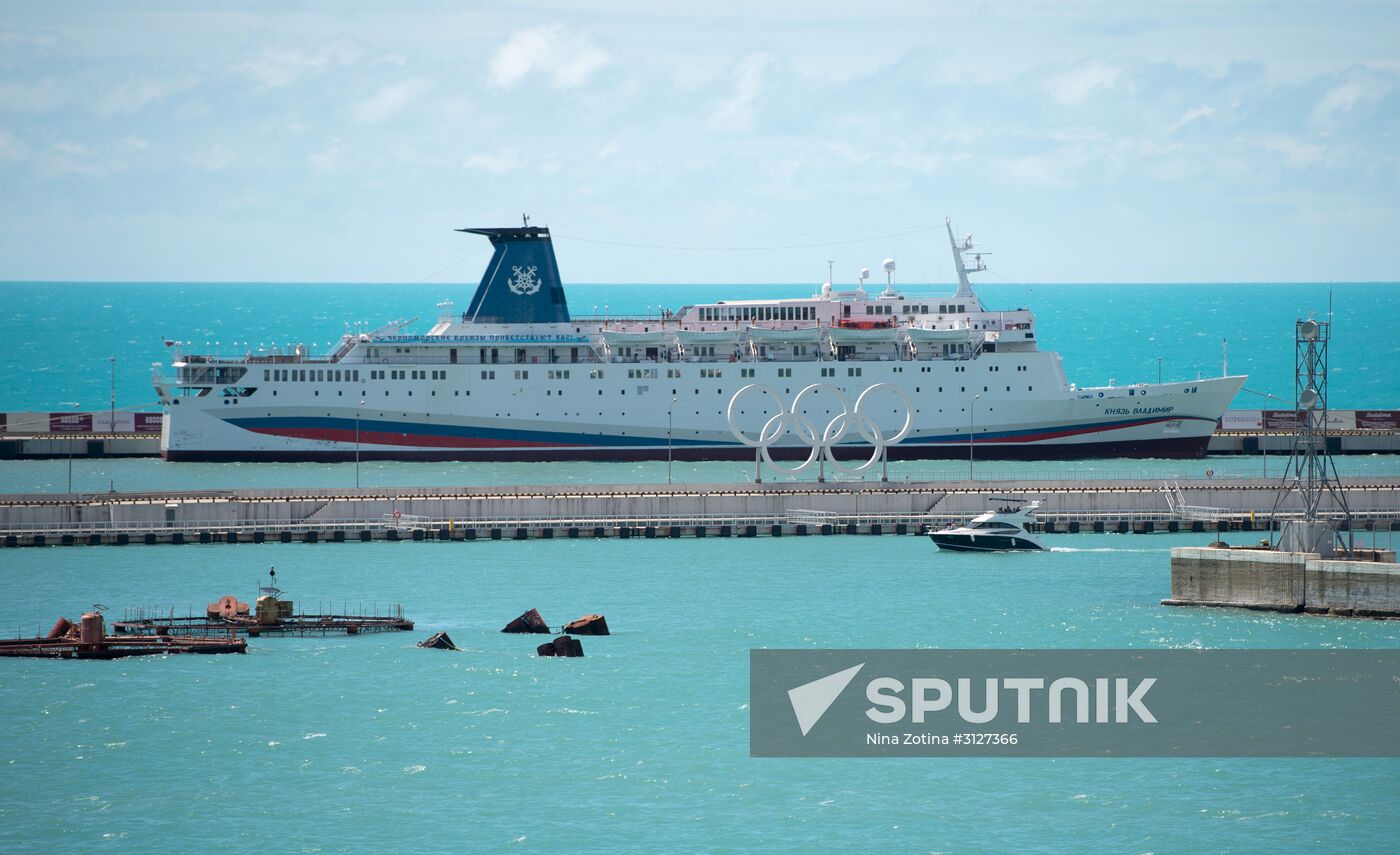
{"x": 764, "y": 248}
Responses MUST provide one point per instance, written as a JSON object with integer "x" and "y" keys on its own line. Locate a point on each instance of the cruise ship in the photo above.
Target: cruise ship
{"x": 517, "y": 377}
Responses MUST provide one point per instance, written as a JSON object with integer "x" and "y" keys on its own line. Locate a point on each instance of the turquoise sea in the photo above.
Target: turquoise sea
{"x": 368, "y": 743}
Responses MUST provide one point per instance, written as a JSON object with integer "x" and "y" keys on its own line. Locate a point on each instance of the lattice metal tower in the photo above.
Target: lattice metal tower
{"x": 1311, "y": 473}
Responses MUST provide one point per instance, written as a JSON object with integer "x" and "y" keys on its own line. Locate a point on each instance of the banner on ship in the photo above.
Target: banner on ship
{"x": 147, "y": 422}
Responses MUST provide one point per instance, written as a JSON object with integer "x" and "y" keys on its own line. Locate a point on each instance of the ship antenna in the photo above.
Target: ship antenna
{"x": 526, "y": 219}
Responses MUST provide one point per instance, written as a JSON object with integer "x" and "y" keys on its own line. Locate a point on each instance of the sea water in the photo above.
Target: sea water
{"x": 368, "y": 743}
{"x": 352, "y": 744}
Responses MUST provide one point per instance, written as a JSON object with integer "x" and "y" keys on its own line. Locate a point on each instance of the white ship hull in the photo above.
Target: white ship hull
{"x": 517, "y": 379}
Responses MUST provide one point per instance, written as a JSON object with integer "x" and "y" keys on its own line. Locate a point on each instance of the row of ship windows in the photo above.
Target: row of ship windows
{"x": 308, "y": 375}
{"x": 319, "y": 375}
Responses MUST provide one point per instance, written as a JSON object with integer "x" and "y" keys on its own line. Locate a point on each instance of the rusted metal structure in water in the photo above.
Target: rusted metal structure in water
{"x": 88, "y": 639}
{"x": 271, "y": 615}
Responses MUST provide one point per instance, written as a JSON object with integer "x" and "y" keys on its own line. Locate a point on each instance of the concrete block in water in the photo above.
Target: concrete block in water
{"x": 1238, "y": 577}
{"x": 1360, "y": 588}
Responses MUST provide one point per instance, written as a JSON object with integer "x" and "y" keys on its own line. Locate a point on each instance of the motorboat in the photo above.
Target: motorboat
{"x": 1004, "y": 528}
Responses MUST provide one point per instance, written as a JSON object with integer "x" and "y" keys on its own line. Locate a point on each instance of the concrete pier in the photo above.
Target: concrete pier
{"x": 641, "y": 511}
{"x": 1285, "y": 582}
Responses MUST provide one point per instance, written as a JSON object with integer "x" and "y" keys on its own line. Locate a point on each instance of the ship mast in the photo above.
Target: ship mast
{"x": 964, "y": 286}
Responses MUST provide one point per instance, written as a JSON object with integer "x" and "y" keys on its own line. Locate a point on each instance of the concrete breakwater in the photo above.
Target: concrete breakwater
{"x": 1284, "y": 581}
{"x": 652, "y": 510}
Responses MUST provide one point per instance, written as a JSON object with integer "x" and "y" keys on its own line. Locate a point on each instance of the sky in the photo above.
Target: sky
{"x": 713, "y": 142}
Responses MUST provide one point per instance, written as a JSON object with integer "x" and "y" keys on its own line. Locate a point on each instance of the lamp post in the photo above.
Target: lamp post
{"x": 1159, "y": 371}
{"x": 70, "y": 455}
{"x": 357, "y": 443}
{"x": 971, "y": 425}
{"x": 670, "y": 411}
{"x": 112, "y": 425}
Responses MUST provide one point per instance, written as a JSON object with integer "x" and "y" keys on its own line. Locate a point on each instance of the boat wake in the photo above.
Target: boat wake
{"x": 1103, "y": 549}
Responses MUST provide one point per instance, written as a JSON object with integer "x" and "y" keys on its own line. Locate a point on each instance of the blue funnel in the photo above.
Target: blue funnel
{"x": 521, "y": 284}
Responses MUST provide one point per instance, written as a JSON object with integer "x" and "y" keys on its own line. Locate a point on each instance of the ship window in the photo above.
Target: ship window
{"x": 870, "y": 310}
{"x": 266, "y": 372}
{"x": 853, "y": 372}
{"x": 488, "y": 375}
{"x": 961, "y": 308}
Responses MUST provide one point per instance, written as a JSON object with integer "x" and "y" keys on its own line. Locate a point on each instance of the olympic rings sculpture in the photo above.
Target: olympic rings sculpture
{"x": 792, "y": 419}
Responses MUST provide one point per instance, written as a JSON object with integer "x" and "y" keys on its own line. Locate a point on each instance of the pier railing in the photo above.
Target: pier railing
{"x": 379, "y": 525}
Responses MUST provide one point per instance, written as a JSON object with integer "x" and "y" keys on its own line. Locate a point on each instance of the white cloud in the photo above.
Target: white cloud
{"x": 1343, "y": 98}
{"x": 334, "y": 159}
{"x": 735, "y": 113}
{"x": 136, "y": 142}
{"x": 281, "y": 67}
{"x": 609, "y": 149}
{"x": 1296, "y": 153}
{"x": 493, "y": 163}
{"x": 1204, "y": 111}
{"x": 1075, "y": 85}
{"x": 10, "y": 147}
{"x": 71, "y": 157}
{"x": 569, "y": 59}
{"x": 32, "y": 96}
{"x": 389, "y": 100}
{"x": 213, "y": 158}
{"x": 134, "y": 95}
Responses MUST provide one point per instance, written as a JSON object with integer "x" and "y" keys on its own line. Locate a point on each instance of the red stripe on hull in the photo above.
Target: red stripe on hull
{"x": 1175, "y": 447}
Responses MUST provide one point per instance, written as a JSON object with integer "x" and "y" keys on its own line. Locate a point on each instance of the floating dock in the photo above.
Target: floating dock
{"x": 88, "y": 640}
{"x": 652, "y": 511}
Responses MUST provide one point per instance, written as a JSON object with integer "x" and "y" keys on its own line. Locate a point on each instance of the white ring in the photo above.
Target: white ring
{"x": 790, "y": 419}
